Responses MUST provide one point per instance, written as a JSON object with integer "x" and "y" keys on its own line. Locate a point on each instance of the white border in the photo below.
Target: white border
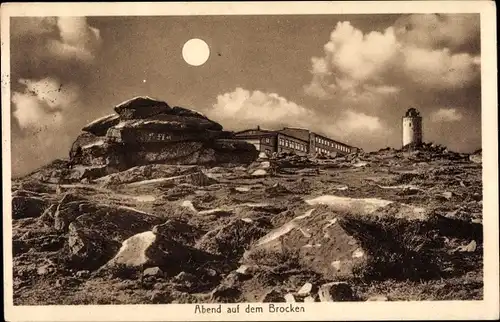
{"x": 438, "y": 310}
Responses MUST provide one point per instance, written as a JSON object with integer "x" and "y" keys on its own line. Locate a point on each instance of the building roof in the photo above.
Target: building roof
{"x": 298, "y": 133}
{"x": 292, "y": 132}
{"x": 412, "y": 112}
{"x": 255, "y": 132}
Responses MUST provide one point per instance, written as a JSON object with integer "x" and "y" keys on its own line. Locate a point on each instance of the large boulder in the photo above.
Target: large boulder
{"x": 232, "y": 239}
{"x": 147, "y": 131}
{"x": 165, "y": 246}
{"x": 165, "y": 128}
{"x": 141, "y": 107}
{"x": 234, "y": 151}
{"x": 146, "y": 172}
{"x": 83, "y": 140}
{"x": 316, "y": 241}
{"x": 348, "y": 237}
{"x": 100, "y": 126}
{"x": 26, "y": 206}
{"x": 96, "y": 235}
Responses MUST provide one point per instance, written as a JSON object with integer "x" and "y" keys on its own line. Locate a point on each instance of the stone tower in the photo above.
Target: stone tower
{"x": 412, "y": 128}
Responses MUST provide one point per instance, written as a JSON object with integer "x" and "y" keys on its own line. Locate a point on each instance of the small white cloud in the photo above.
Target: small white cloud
{"x": 43, "y": 102}
{"x": 358, "y": 122}
{"x": 446, "y": 115}
{"x": 242, "y": 108}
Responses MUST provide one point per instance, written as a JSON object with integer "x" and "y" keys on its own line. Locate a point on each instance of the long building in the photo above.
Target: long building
{"x": 293, "y": 140}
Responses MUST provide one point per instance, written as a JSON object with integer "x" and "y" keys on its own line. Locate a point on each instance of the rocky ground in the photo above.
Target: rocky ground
{"x": 388, "y": 225}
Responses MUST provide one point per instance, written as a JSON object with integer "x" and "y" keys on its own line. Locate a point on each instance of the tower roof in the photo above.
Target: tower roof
{"x": 412, "y": 112}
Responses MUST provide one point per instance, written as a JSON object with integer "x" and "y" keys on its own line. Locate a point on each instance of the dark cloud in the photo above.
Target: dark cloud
{"x": 51, "y": 60}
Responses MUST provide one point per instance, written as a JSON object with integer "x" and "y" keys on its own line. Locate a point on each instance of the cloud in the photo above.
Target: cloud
{"x": 420, "y": 61}
{"x": 395, "y": 58}
{"x": 77, "y": 39}
{"x": 446, "y": 115}
{"x": 357, "y": 122}
{"x": 46, "y": 54}
{"x": 242, "y": 108}
{"x": 439, "y": 69}
{"x": 43, "y": 102}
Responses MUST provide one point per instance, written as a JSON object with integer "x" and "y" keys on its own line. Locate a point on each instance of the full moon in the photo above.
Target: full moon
{"x": 195, "y": 52}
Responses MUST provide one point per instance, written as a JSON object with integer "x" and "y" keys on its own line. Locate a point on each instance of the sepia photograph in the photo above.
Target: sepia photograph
{"x": 248, "y": 164}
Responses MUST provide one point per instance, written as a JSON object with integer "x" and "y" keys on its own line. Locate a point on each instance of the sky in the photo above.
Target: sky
{"x": 350, "y": 77}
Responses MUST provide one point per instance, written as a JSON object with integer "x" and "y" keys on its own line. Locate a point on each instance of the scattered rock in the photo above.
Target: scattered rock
{"x": 232, "y": 239}
{"x": 161, "y": 297}
{"x": 44, "y": 270}
{"x": 335, "y": 291}
{"x": 27, "y": 206}
{"x": 309, "y": 299}
{"x": 96, "y": 236}
{"x": 469, "y": 248}
{"x": 272, "y": 296}
{"x": 243, "y": 269}
{"x": 289, "y": 297}
{"x": 447, "y": 195}
{"x": 82, "y": 274}
{"x": 184, "y": 277}
{"x": 100, "y": 126}
{"x": 305, "y": 290}
{"x": 152, "y": 271}
{"x": 477, "y": 157}
{"x": 259, "y": 173}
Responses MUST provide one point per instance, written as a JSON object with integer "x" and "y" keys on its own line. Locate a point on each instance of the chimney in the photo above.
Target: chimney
{"x": 258, "y": 127}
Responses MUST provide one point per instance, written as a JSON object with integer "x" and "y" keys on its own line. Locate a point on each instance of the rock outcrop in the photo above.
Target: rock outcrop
{"x": 147, "y": 131}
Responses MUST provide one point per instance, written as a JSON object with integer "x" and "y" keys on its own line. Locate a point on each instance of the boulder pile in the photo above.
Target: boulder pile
{"x": 147, "y": 131}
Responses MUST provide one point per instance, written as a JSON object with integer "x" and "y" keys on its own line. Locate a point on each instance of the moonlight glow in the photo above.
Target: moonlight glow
{"x": 195, "y": 52}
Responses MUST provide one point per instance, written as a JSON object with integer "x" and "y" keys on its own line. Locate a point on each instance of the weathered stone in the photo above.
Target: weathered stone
{"x": 172, "y": 125}
{"x": 184, "y": 277}
{"x": 28, "y": 206}
{"x": 469, "y": 248}
{"x": 196, "y": 179}
{"x": 243, "y": 269}
{"x": 305, "y": 290}
{"x": 316, "y": 239}
{"x": 289, "y": 298}
{"x": 44, "y": 270}
{"x": 156, "y": 247}
{"x": 80, "y": 173}
{"x": 272, "y": 296}
{"x": 83, "y": 140}
{"x": 259, "y": 173}
{"x": 100, "y": 126}
{"x": 82, "y": 274}
{"x": 232, "y": 238}
{"x": 145, "y": 172}
{"x": 96, "y": 236}
{"x": 141, "y": 107}
{"x": 152, "y": 271}
{"x": 476, "y": 157}
{"x": 335, "y": 291}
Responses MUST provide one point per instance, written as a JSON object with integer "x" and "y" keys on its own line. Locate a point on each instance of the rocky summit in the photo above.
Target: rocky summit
{"x": 160, "y": 205}
{"x": 147, "y": 131}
